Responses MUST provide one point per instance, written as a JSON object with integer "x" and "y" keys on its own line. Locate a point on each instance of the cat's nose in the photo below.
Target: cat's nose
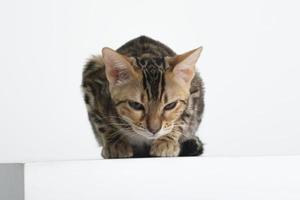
{"x": 153, "y": 130}
{"x": 153, "y": 123}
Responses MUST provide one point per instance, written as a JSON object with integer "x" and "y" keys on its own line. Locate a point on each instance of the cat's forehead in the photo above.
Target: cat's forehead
{"x": 153, "y": 69}
{"x": 150, "y": 63}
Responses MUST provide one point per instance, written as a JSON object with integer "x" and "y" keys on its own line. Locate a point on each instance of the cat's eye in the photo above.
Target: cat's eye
{"x": 135, "y": 105}
{"x": 170, "y": 106}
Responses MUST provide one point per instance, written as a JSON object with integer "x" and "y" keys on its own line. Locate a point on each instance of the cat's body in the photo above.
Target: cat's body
{"x": 148, "y": 125}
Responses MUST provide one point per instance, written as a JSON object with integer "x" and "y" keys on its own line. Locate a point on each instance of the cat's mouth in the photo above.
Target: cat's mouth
{"x": 147, "y": 134}
{"x": 143, "y": 133}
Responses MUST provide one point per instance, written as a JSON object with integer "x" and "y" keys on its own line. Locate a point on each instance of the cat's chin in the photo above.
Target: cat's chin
{"x": 149, "y": 137}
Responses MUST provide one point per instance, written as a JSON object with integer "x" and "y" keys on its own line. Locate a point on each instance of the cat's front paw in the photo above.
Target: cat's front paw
{"x": 191, "y": 147}
{"x": 117, "y": 150}
{"x": 165, "y": 148}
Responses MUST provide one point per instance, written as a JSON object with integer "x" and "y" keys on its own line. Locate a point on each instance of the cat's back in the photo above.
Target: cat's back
{"x": 144, "y": 45}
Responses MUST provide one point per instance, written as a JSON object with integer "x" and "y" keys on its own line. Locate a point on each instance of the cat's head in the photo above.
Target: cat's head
{"x": 150, "y": 93}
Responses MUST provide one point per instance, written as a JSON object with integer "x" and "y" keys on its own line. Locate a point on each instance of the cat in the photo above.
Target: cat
{"x": 143, "y": 100}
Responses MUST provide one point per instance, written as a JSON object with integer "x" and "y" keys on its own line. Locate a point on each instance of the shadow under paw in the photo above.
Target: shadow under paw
{"x": 191, "y": 147}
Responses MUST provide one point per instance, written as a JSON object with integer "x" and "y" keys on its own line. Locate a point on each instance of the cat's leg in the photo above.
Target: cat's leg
{"x": 191, "y": 146}
{"x": 116, "y": 146}
{"x": 166, "y": 146}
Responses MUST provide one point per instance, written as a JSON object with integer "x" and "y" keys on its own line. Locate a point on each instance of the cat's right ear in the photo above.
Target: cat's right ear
{"x": 117, "y": 67}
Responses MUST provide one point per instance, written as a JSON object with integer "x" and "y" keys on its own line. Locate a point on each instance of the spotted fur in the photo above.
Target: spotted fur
{"x": 107, "y": 111}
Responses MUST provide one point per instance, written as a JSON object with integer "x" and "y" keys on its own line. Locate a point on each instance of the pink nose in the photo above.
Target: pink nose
{"x": 153, "y": 122}
{"x": 154, "y": 130}
{"x": 153, "y": 125}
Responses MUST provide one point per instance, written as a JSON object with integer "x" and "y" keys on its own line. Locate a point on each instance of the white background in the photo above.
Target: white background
{"x": 250, "y": 66}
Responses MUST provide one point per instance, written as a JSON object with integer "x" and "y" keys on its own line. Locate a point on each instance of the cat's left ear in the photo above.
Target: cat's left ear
{"x": 184, "y": 65}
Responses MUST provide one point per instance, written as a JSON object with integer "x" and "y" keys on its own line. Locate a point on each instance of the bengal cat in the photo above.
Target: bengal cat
{"x": 144, "y": 100}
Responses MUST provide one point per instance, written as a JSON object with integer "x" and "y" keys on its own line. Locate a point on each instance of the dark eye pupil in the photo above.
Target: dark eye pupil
{"x": 170, "y": 105}
{"x": 136, "y": 105}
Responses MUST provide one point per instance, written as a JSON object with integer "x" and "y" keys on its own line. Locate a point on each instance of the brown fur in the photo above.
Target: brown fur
{"x": 148, "y": 75}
